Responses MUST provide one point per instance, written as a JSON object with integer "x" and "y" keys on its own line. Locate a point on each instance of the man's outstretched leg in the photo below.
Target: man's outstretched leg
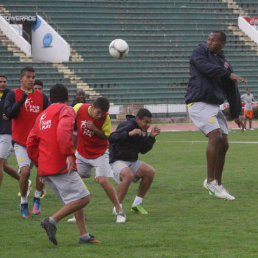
{"x": 11, "y": 171}
{"x": 111, "y": 193}
{"x": 216, "y": 153}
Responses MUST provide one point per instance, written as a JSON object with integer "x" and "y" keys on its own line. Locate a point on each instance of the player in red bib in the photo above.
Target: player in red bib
{"x": 50, "y": 146}
{"x": 93, "y": 130}
{"x": 23, "y": 105}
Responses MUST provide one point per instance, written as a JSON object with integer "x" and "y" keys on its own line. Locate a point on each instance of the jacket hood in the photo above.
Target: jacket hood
{"x": 130, "y": 117}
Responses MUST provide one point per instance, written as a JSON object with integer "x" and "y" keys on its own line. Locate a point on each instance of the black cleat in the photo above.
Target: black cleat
{"x": 50, "y": 229}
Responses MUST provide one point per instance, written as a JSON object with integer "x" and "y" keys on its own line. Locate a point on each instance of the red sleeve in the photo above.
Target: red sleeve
{"x": 65, "y": 130}
{"x": 32, "y": 144}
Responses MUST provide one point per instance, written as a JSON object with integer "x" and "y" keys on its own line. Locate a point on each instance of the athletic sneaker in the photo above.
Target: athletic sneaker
{"x": 218, "y": 191}
{"x": 226, "y": 193}
{"x": 139, "y": 209}
{"x": 120, "y": 218}
{"x": 50, "y": 229}
{"x": 29, "y": 189}
{"x": 36, "y": 206}
{"x": 205, "y": 186}
{"x": 25, "y": 211}
{"x": 251, "y": 129}
{"x": 71, "y": 220}
{"x": 90, "y": 240}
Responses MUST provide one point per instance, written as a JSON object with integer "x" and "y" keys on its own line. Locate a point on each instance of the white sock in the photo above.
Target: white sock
{"x": 24, "y": 199}
{"x": 37, "y": 194}
{"x": 114, "y": 209}
{"x": 213, "y": 182}
{"x": 52, "y": 220}
{"x": 138, "y": 200}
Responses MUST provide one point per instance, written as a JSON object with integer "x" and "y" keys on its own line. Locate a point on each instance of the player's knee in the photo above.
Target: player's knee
{"x": 25, "y": 171}
{"x": 127, "y": 177}
{"x": 151, "y": 172}
{"x": 85, "y": 201}
{"x": 101, "y": 180}
{"x": 225, "y": 146}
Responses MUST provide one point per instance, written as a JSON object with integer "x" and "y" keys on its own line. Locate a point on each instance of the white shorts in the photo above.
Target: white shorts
{"x": 101, "y": 165}
{"x": 22, "y": 156}
{"x": 119, "y": 165}
{"x": 67, "y": 188}
{"x": 5, "y": 146}
{"x": 208, "y": 117}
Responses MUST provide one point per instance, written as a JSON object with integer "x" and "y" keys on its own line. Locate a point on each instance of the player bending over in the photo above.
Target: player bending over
{"x": 129, "y": 139}
{"x": 93, "y": 130}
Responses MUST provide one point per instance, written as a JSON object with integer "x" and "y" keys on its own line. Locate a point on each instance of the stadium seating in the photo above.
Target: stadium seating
{"x": 161, "y": 36}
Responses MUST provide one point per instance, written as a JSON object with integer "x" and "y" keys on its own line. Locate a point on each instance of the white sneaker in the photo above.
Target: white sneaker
{"x": 226, "y": 193}
{"x": 219, "y": 191}
{"x": 120, "y": 218}
{"x": 71, "y": 220}
{"x": 251, "y": 129}
{"x": 205, "y": 186}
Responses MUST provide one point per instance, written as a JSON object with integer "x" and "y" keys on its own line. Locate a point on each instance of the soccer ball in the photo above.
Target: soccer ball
{"x": 118, "y": 48}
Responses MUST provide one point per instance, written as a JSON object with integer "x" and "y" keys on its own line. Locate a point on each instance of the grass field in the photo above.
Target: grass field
{"x": 183, "y": 219}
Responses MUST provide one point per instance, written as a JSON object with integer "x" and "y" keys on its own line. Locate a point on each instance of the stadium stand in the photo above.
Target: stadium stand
{"x": 161, "y": 36}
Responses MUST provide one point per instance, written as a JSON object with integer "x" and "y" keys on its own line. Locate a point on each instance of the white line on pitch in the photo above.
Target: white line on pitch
{"x": 207, "y": 141}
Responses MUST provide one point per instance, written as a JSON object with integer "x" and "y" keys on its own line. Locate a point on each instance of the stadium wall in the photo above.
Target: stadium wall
{"x": 12, "y": 34}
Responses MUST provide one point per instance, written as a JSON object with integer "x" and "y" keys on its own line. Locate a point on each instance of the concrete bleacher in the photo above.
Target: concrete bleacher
{"x": 161, "y": 35}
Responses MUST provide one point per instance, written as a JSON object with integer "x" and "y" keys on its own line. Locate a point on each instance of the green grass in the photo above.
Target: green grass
{"x": 183, "y": 219}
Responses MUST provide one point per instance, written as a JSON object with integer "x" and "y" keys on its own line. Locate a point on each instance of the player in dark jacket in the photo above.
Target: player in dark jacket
{"x": 129, "y": 139}
{"x": 5, "y": 134}
{"x": 212, "y": 82}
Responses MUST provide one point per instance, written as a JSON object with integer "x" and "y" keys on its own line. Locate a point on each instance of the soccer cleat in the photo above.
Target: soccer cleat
{"x": 138, "y": 209}
{"x": 90, "y": 240}
{"x": 50, "y": 229}
{"x": 226, "y": 193}
{"x": 29, "y": 189}
{"x": 219, "y": 191}
{"x": 121, "y": 217}
{"x": 36, "y": 206}
{"x": 25, "y": 211}
{"x": 71, "y": 220}
{"x": 205, "y": 186}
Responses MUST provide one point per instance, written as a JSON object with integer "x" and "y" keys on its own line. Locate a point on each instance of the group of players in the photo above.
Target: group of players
{"x": 43, "y": 133}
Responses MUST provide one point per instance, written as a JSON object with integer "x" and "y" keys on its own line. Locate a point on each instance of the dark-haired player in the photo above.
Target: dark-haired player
{"x": 38, "y": 85}
{"x": 51, "y": 148}
{"x": 212, "y": 82}
{"x": 23, "y": 105}
{"x": 5, "y": 134}
{"x": 94, "y": 128}
{"x": 130, "y": 139}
